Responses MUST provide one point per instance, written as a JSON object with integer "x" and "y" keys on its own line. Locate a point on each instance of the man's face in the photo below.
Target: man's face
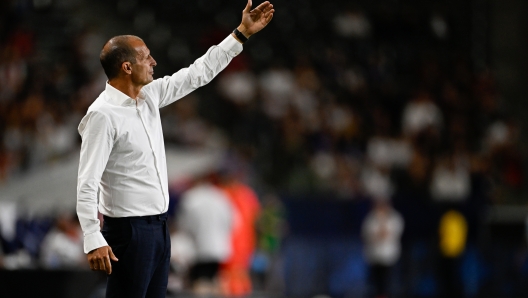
{"x": 143, "y": 69}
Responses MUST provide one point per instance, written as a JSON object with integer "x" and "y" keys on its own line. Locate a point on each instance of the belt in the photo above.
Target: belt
{"x": 150, "y": 218}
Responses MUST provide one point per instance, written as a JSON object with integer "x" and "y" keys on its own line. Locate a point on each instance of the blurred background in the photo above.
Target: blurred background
{"x": 365, "y": 148}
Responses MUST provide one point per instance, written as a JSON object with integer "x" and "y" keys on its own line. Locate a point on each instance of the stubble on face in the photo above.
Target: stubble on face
{"x": 144, "y": 67}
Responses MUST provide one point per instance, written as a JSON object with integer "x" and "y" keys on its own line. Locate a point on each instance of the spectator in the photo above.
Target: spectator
{"x": 271, "y": 229}
{"x": 377, "y": 182}
{"x": 234, "y": 274}
{"x": 451, "y": 180}
{"x": 453, "y": 236}
{"x": 62, "y": 248}
{"x": 13, "y": 73}
{"x": 278, "y": 85}
{"x": 352, "y": 24}
{"x": 206, "y": 216}
{"x": 381, "y": 231}
{"x": 239, "y": 87}
{"x": 420, "y": 114}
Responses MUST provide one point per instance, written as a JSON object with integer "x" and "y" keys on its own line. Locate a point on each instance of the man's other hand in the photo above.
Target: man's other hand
{"x": 99, "y": 259}
{"x": 254, "y": 20}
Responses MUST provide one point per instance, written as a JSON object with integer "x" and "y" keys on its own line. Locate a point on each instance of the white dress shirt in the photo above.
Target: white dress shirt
{"x": 123, "y": 153}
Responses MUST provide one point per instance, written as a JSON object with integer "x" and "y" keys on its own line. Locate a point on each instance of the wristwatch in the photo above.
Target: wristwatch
{"x": 240, "y": 36}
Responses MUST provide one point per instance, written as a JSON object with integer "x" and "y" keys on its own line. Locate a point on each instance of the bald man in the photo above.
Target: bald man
{"x": 122, "y": 167}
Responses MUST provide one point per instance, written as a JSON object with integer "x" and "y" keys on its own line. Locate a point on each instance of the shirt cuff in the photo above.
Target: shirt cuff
{"x": 231, "y": 45}
{"x": 93, "y": 241}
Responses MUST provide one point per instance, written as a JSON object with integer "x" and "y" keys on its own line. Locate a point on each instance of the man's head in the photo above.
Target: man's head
{"x": 127, "y": 56}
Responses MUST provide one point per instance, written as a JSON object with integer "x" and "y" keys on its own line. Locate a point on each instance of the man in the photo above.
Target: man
{"x": 123, "y": 157}
{"x": 382, "y": 230}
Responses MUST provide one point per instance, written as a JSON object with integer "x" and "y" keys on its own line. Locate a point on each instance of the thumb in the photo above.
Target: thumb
{"x": 248, "y": 6}
{"x": 112, "y": 256}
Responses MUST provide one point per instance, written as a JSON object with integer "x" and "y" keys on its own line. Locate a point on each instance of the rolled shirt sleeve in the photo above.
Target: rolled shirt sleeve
{"x": 171, "y": 88}
{"x": 97, "y": 141}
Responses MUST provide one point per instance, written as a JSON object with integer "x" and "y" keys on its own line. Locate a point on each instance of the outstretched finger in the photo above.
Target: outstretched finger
{"x": 248, "y": 6}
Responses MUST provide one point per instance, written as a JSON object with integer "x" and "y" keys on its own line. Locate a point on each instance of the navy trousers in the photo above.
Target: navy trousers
{"x": 142, "y": 245}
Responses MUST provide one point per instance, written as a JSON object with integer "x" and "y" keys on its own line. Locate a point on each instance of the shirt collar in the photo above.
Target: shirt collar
{"x": 119, "y": 98}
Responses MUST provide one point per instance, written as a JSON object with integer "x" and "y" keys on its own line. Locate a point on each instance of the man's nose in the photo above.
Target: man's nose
{"x": 154, "y": 62}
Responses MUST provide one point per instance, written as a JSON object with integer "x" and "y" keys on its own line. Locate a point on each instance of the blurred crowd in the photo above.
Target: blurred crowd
{"x": 43, "y": 95}
{"x": 366, "y": 96}
{"x": 349, "y": 101}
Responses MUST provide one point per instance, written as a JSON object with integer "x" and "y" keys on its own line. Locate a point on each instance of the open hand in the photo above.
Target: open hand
{"x": 254, "y": 20}
{"x": 99, "y": 259}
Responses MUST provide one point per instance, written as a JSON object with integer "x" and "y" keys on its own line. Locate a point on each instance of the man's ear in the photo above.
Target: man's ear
{"x": 127, "y": 67}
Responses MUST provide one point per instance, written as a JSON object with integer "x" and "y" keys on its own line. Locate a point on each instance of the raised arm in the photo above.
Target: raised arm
{"x": 171, "y": 88}
{"x": 254, "y": 20}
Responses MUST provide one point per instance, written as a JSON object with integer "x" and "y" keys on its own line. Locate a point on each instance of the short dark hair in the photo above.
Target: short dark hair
{"x": 119, "y": 51}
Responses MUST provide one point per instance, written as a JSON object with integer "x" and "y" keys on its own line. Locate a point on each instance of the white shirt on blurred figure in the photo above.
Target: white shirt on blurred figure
{"x": 123, "y": 152}
{"x": 420, "y": 114}
{"x": 60, "y": 250}
{"x": 206, "y": 215}
{"x": 381, "y": 231}
{"x": 450, "y": 182}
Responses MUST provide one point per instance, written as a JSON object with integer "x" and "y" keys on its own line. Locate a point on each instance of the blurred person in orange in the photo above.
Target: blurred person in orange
{"x": 235, "y": 277}
{"x": 122, "y": 167}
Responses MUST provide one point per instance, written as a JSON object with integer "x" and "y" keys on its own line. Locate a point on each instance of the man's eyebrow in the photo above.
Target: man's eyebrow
{"x": 142, "y": 54}
{"x": 145, "y": 53}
